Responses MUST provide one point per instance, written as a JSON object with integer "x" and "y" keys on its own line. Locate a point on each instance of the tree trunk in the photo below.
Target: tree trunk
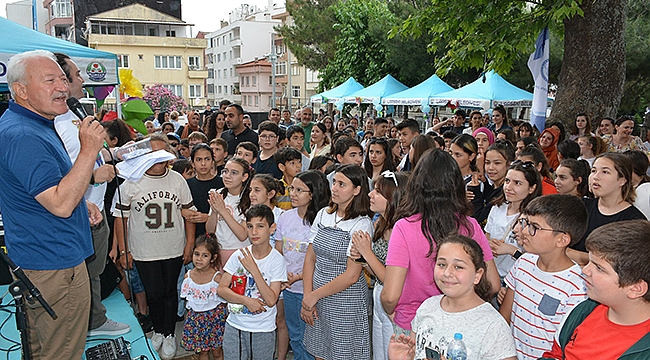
{"x": 593, "y": 69}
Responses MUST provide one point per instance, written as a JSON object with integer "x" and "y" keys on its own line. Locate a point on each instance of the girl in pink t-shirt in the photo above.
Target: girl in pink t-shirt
{"x": 434, "y": 206}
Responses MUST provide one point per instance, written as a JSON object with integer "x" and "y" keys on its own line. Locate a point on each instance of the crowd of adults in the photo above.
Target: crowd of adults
{"x": 394, "y": 237}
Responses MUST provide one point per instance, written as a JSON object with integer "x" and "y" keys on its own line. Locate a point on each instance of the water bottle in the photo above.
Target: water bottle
{"x": 456, "y": 350}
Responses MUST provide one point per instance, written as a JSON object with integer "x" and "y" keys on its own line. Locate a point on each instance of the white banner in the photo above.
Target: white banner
{"x": 95, "y": 71}
{"x": 538, "y": 65}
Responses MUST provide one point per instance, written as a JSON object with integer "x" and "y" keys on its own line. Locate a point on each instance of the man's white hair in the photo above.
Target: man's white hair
{"x": 17, "y": 66}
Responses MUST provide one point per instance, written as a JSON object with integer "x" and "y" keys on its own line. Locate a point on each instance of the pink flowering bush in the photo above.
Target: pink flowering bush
{"x": 159, "y": 97}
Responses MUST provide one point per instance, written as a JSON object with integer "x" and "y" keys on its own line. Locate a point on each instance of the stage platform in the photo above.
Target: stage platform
{"x": 116, "y": 308}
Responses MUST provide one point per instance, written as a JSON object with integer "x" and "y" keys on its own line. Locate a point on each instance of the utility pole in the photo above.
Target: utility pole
{"x": 273, "y": 57}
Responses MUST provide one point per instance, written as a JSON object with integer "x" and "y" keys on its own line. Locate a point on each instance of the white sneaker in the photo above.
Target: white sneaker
{"x": 111, "y": 328}
{"x": 157, "y": 341}
{"x": 168, "y": 350}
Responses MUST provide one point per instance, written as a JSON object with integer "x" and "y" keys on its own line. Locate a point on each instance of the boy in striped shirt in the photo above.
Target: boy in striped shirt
{"x": 544, "y": 284}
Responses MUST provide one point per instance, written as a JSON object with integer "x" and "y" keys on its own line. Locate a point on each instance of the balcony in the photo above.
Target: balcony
{"x": 197, "y": 73}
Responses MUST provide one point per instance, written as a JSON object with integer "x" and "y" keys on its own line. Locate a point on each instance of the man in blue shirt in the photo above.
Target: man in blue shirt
{"x": 47, "y": 225}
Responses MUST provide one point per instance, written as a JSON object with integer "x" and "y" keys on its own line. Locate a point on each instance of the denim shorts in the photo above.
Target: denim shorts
{"x": 133, "y": 277}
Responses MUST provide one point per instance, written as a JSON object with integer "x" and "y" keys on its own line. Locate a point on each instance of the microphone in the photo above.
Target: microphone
{"x": 75, "y": 106}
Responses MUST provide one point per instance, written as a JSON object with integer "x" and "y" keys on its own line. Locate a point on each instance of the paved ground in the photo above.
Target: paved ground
{"x": 187, "y": 355}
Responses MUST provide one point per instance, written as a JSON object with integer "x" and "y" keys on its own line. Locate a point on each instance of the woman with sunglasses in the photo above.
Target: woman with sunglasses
{"x": 611, "y": 183}
{"x": 387, "y": 192}
{"x": 378, "y": 157}
{"x": 434, "y": 206}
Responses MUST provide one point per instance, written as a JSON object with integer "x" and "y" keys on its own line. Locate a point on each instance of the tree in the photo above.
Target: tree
{"x": 310, "y": 37}
{"x": 161, "y": 98}
{"x": 361, "y": 49}
{"x": 490, "y": 34}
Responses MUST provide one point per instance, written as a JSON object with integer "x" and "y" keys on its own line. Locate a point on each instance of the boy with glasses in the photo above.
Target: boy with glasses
{"x": 268, "y": 141}
{"x": 544, "y": 284}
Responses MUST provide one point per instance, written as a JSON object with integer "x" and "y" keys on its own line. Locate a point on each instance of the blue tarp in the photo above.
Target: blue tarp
{"x": 486, "y": 92}
{"x": 375, "y": 92}
{"x": 423, "y": 91}
{"x": 99, "y": 68}
{"x": 350, "y": 86}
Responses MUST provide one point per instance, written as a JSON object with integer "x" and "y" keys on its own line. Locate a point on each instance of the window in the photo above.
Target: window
{"x": 281, "y": 68}
{"x": 210, "y": 73}
{"x": 271, "y": 80}
{"x": 210, "y": 58}
{"x": 219, "y": 89}
{"x": 231, "y": 70}
{"x": 176, "y": 89}
{"x": 295, "y": 69}
{"x": 254, "y": 80}
{"x": 270, "y": 100}
{"x": 195, "y": 91}
{"x": 243, "y": 98}
{"x": 225, "y": 73}
{"x": 249, "y": 100}
{"x": 218, "y": 41}
{"x": 61, "y": 8}
{"x": 218, "y": 74}
{"x": 257, "y": 100}
{"x": 295, "y": 91}
{"x": 210, "y": 89}
{"x": 248, "y": 81}
{"x": 225, "y": 89}
{"x": 167, "y": 62}
{"x": 170, "y": 33}
{"x": 242, "y": 81}
{"x": 218, "y": 57}
{"x": 123, "y": 61}
{"x": 312, "y": 76}
{"x": 193, "y": 63}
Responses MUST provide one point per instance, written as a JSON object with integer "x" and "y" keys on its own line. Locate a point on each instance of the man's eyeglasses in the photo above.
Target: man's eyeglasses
{"x": 298, "y": 191}
{"x": 267, "y": 137}
{"x": 387, "y": 174}
{"x": 532, "y": 229}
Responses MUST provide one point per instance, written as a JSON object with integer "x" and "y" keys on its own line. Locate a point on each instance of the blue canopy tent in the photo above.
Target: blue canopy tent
{"x": 423, "y": 91}
{"x": 99, "y": 68}
{"x": 486, "y": 92}
{"x": 333, "y": 95}
{"x": 375, "y": 92}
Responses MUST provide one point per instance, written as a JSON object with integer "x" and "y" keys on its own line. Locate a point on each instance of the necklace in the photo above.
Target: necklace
{"x": 336, "y": 222}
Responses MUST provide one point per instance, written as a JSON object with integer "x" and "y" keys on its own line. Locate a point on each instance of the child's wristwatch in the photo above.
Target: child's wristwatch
{"x": 517, "y": 254}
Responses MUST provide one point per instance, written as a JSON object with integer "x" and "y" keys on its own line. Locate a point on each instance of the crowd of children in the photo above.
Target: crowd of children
{"x": 464, "y": 233}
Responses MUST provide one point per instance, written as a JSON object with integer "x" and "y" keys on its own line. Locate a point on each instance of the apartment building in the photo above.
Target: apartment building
{"x": 156, "y": 46}
{"x": 244, "y": 38}
{"x": 295, "y": 84}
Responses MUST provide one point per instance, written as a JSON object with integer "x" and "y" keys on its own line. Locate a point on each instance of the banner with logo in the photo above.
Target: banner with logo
{"x": 95, "y": 71}
{"x": 538, "y": 65}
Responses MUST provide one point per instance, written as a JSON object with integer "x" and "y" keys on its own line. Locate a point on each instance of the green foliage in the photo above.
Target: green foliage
{"x": 636, "y": 93}
{"x": 485, "y": 34}
{"x": 361, "y": 43}
{"x": 311, "y": 36}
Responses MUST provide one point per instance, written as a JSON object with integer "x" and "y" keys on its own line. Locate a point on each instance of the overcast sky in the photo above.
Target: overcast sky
{"x": 206, "y": 15}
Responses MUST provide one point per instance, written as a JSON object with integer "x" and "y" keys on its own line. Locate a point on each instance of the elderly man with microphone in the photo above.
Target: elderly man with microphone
{"x": 47, "y": 226}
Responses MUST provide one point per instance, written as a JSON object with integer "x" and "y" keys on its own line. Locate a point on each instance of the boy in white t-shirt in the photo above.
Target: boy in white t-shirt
{"x": 544, "y": 284}
{"x": 251, "y": 285}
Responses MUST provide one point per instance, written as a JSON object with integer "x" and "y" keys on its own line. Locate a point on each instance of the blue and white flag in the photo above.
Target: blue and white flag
{"x": 538, "y": 65}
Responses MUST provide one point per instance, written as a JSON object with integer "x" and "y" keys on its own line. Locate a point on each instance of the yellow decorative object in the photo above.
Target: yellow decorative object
{"x": 129, "y": 84}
